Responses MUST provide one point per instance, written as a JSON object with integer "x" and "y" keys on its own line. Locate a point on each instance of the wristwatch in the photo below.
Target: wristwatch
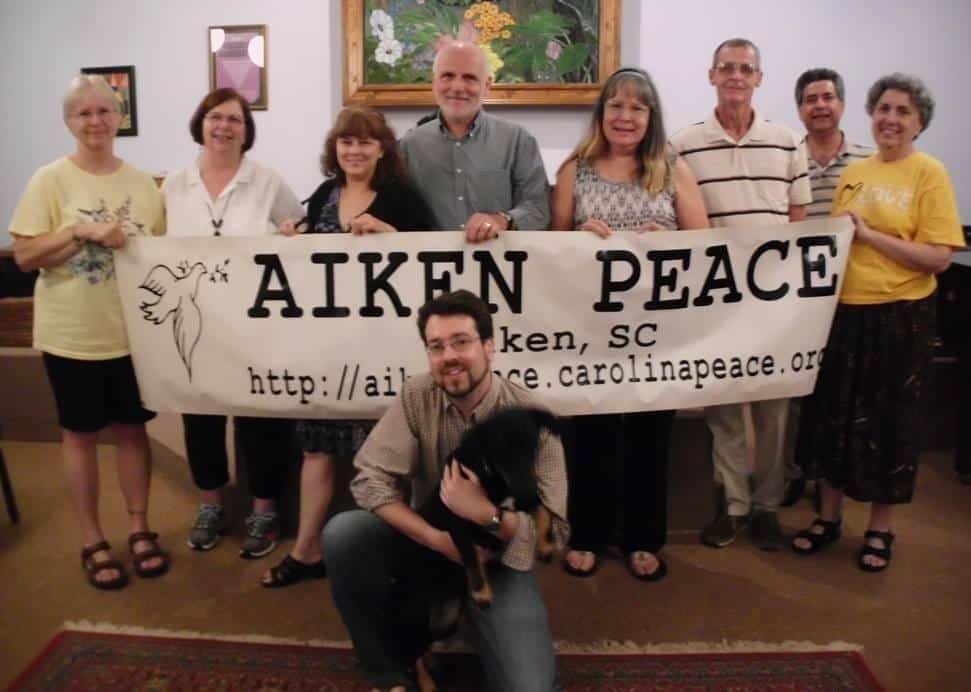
{"x": 510, "y": 222}
{"x": 494, "y": 524}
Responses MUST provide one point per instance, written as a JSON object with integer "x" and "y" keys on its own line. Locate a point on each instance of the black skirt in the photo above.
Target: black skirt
{"x": 339, "y": 438}
{"x": 861, "y": 427}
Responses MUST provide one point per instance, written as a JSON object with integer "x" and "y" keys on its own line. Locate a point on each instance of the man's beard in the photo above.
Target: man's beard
{"x": 461, "y": 384}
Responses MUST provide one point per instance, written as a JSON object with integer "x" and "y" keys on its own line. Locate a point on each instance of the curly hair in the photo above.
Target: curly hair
{"x": 913, "y": 86}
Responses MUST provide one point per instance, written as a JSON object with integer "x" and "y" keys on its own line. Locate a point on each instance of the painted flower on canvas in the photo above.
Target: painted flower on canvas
{"x": 525, "y": 41}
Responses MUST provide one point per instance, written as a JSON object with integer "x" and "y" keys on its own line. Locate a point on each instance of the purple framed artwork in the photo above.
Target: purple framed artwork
{"x": 237, "y": 59}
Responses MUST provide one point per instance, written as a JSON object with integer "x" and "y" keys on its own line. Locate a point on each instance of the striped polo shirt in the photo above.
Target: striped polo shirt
{"x": 823, "y": 179}
{"x": 752, "y": 181}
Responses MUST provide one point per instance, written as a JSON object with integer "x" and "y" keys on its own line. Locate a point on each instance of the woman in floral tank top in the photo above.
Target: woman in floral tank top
{"x": 623, "y": 177}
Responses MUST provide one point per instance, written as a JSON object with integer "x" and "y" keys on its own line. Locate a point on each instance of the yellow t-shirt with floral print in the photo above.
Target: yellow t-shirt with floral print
{"x": 912, "y": 199}
{"x": 77, "y": 309}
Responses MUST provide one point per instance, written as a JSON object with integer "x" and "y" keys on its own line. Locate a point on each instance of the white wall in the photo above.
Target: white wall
{"x": 861, "y": 39}
{"x": 44, "y": 42}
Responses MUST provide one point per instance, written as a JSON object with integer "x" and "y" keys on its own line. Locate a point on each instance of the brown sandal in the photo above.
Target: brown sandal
{"x": 139, "y": 559}
{"x": 94, "y": 567}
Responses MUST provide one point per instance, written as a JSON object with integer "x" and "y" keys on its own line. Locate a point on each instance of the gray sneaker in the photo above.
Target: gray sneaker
{"x": 262, "y": 531}
{"x": 209, "y": 527}
{"x": 722, "y": 530}
{"x": 765, "y": 532}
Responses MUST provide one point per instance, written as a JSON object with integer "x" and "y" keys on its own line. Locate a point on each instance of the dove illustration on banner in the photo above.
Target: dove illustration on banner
{"x": 173, "y": 293}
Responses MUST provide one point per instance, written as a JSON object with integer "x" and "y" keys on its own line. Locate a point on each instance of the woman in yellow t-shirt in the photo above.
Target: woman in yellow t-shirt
{"x": 861, "y": 427}
{"x": 74, "y": 213}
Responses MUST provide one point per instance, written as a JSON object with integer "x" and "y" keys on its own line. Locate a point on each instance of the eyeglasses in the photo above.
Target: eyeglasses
{"x": 459, "y": 344}
{"x": 93, "y": 114}
{"x": 219, "y": 119}
{"x": 746, "y": 69}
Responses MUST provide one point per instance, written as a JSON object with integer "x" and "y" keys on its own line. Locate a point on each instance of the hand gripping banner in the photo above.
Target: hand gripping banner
{"x": 323, "y": 326}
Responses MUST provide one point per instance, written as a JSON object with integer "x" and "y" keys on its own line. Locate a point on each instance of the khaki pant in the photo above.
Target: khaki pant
{"x": 749, "y": 466}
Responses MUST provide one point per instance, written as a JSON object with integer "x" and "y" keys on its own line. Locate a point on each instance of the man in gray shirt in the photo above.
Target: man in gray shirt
{"x": 478, "y": 173}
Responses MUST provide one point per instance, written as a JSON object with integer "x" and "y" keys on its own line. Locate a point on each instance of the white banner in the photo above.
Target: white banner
{"x": 323, "y": 326}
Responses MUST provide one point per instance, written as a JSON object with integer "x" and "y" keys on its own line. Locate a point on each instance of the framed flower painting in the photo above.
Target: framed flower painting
{"x": 540, "y": 52}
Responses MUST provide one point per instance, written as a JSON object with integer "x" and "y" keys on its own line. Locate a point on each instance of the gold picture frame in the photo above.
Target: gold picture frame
{"x": 238, "y": 59}
{"x": 377, "y": 44}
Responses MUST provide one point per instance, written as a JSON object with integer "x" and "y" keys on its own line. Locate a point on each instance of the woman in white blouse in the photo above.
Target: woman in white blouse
{"x": 224, "y": 193}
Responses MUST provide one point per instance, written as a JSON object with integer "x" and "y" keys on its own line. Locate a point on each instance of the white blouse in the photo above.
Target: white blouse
{"x": 254, "y": 202}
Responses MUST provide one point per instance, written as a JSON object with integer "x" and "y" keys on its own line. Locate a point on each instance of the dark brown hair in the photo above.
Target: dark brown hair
{"x": 217, "y": 98}
{"x": 459, "y": 302}
{"x": 364, "y": 123}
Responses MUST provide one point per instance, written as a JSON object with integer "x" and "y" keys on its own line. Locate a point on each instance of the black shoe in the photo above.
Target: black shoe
{"x": 795, "y": 488}
{"x": 965, "y": 477}
{"x": 722, "y": 530}
{"x": 765, "y": 531}
{"x": 290, "y": 571}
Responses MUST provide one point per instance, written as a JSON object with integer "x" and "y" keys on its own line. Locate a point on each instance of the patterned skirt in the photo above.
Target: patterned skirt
{"x": 860, "y": 429}
{"x": 339, "y": 438}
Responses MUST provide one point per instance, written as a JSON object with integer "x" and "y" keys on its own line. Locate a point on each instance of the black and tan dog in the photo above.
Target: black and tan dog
{"x": 430, "y": 588}
{"x": 501, "y": 451}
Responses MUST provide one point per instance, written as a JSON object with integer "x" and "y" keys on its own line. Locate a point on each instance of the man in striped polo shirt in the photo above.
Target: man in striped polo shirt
{"x": 820, "y": 99}
{"x": 751, "y": 173}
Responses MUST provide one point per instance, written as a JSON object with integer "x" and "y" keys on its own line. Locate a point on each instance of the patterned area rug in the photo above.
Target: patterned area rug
{"x": 82, "y": 661}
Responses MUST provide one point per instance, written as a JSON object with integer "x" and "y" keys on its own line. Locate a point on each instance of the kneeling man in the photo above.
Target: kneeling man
{"x": 404, "y": 457}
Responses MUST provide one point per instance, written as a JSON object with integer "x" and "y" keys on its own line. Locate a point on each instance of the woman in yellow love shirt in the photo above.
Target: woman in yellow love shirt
{"x": 74, "y": 213}
{"x": 861, "y": 427}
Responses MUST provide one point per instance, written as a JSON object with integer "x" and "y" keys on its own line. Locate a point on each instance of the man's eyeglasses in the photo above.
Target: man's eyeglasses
{"x": 746, "y": 69}
{"x": 459, "y": 344}
{"x": 219, "y": 119}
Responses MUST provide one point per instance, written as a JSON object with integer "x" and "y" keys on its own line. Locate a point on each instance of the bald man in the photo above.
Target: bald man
{"x": 478, "y": 173}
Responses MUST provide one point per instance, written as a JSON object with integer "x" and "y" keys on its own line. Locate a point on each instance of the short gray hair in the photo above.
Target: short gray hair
{"x": 913, "y": 86}
{"x": 738, "y": 43}
{"x": 85, "y": 82}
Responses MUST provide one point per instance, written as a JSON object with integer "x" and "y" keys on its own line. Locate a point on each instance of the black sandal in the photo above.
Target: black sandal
{"x": 817, "y": 541}
{"x": 576, "y": 571}
{"x": 290, "y": 571}
{"x": 139, "y": 559}
{"x": 659, "y": 572}
{"x": 94, "y": 568}
{"x": 884, "y": 553}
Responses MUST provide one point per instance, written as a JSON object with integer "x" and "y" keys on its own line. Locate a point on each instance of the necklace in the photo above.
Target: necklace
{"x": 217, "y": 224}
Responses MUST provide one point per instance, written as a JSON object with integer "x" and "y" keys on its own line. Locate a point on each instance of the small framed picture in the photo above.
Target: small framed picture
{"x": 121, "y": 79}
{"x": 237, "y": 59}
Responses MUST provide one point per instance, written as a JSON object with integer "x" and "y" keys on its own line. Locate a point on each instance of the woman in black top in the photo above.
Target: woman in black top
{"x": 367, "y": 191}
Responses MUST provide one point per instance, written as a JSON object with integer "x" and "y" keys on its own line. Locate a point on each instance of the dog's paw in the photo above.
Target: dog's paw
{"x": 483, "y": 597}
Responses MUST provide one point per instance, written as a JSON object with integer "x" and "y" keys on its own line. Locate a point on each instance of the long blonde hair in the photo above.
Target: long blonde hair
{"x": 653, "y": 156}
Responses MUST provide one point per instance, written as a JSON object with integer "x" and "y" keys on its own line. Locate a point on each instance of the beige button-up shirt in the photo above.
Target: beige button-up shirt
{"x": 403, "y": 457}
